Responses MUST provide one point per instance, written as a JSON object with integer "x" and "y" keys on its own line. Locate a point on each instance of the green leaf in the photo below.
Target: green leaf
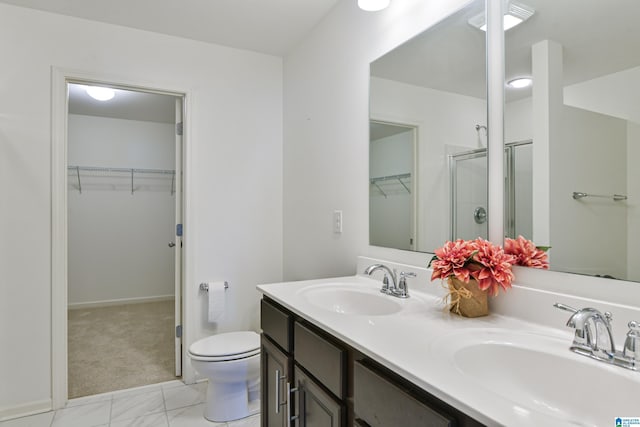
{"x": 435, "y": 257}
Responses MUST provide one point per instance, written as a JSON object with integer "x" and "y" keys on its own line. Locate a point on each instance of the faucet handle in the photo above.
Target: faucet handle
{"x": 403, "y": 291}
{"x": 632, "y": 343}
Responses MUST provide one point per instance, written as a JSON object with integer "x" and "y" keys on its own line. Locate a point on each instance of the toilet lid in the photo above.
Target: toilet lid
{"x": 227, "y": 344}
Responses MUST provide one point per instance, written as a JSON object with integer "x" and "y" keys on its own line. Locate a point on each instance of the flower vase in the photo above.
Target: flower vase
{"x": 467, "y": 299}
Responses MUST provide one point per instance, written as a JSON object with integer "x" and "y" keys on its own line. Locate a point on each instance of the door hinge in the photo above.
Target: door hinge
{"x": 179, "y": 331}
{"x": 179, "y": 129}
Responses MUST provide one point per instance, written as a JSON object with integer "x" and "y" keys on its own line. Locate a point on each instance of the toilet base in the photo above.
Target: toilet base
{"x": 229, "y": 402}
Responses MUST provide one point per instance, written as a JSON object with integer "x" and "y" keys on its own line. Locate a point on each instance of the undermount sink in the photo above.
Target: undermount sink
{"x": 538, "y": 373}
{"x": 346, "y": 298}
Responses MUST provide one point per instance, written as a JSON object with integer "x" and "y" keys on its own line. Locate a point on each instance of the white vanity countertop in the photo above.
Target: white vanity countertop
{"x": 411, "y": 344}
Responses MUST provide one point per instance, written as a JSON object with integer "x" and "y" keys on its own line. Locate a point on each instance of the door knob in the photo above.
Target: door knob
{"x": 171, "y": 244}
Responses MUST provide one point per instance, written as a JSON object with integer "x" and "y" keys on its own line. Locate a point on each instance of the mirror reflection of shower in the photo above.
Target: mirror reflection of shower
{"x": 468, "y": 191}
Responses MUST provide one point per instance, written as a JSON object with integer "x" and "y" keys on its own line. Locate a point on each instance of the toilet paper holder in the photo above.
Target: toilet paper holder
{"x": 205, "y": 286}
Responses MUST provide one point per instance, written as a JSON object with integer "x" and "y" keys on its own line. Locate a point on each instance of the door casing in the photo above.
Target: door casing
{"x": 59, "y": 238}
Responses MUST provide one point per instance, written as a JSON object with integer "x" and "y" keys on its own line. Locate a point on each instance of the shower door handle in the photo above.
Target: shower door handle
{"x": 171, "y": 244}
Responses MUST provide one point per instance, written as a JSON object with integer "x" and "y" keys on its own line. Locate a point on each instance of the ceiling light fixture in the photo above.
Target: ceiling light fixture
{"x": 516, "y": 13}
{"x": 520, "y": 82}
{"x": 101, "y": 93}
{"x": 373, "y": 5}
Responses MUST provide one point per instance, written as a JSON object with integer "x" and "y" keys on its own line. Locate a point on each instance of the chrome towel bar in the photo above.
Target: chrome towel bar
{"x": 616, "y": 197}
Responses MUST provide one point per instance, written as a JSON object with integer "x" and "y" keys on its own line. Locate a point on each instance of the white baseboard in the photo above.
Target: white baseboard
{"x": 31, "y": 408}
{"x": 122, "y": 301}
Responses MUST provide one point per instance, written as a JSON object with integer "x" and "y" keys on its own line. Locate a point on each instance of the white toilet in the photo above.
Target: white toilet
{"x": 231, "y": 363}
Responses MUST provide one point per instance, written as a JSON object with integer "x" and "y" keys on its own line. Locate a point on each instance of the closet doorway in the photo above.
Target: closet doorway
{"x": 124, "y": 248}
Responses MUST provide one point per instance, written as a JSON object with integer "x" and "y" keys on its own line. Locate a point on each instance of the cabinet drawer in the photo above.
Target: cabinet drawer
{"x": 377, "y": 402}
{"x": 276, "y": 323}
{"x": 323, "y": 359}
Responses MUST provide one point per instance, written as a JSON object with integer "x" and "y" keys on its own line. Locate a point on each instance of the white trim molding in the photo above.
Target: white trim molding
{"x": 59, "y": 274}
{"x": 26, "y": 409}
{"x": 121, "y": 301}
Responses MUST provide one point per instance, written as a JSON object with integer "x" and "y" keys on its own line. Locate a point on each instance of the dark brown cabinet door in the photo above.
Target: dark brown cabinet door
{"x": 313, "y": 406}
{"x": 276, "y": 372}
{"x": 379, "y": 402}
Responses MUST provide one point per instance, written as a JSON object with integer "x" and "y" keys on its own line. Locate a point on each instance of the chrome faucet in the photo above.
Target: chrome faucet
{"x": 589, "y": 325}
{"x": 388, "y": 273}
{"x": 593, "y": 337}
{"x": 397, "y": 287}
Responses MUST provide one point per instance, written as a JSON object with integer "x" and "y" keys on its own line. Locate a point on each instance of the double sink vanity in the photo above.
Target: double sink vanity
{"x": 338, "y": 352}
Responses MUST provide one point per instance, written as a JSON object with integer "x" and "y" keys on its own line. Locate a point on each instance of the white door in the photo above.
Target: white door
{"x": 178, "y": 239}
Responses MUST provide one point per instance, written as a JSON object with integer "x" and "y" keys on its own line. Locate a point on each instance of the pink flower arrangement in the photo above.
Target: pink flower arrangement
{"x": 526, "y": 253}
{"x": 485, "y": 262}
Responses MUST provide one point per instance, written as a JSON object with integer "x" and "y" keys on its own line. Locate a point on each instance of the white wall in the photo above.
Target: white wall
{"x": 233, "y": 181}
{"x": 586, "y": 157}
{"x": 118, "y": 247}
{"x": 614, "y": 94}
{"x": 523, "y": 176}
{"x": 326, "y": 120}
{"x": 633, "y": 202}
{"x": 617, "y": 95}
{"x": 518, "y": 120}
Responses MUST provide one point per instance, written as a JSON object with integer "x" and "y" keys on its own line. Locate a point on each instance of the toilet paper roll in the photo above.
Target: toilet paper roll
{"x": 217, "y": 301}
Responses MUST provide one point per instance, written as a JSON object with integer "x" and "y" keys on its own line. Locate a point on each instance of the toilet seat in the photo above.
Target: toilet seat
{"x": 225, "y": 347}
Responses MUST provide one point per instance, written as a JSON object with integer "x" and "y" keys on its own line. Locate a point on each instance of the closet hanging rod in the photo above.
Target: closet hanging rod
{"x": 616, "y": 197}
{"x": 120, "y": 170}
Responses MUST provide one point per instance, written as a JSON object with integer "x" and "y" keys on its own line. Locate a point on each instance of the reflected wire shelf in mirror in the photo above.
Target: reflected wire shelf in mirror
{"x": 84, "y": 178}
{"x": 390, "y": 185}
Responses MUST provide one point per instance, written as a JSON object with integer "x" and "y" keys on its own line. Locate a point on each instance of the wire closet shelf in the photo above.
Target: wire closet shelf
{"x": 131, "y": 174}
{"x": 391, "y": 184}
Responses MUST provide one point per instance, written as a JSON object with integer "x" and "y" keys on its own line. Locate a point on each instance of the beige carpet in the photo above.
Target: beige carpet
{"x": 119, "y": 347}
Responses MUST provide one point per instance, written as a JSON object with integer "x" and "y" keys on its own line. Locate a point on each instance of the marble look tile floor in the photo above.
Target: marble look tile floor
{"x": 170, "y": 404}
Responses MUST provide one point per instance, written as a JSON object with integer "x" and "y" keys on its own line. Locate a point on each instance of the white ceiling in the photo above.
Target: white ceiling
{"x": 598, "y": 38}
{"x": 267, "y": 26}
{"x": 126, "y": 104}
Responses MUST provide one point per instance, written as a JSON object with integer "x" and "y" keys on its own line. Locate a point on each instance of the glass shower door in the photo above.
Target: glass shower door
{"x": 468, "y": 195}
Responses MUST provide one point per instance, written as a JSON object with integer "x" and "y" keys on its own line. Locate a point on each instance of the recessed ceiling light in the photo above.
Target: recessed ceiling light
{"x": 101, "y": 93}
{"x": 373, "y": 5}
{"x": 520, "y": 82}
{"x": 515, "y": 14}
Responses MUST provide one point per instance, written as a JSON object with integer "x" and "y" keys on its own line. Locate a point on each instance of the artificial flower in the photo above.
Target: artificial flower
{"x": 526, "y": 253}
{"x": 494, "y": 267}
{"x": 453, "y": 260}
